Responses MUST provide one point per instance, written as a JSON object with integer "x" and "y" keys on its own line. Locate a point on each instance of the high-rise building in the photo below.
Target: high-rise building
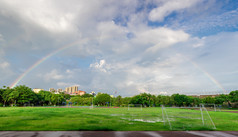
{"x": 71, "y": 90}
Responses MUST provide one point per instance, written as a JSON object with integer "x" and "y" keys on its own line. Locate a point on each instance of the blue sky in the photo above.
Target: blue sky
{"x": 153, "y": 46}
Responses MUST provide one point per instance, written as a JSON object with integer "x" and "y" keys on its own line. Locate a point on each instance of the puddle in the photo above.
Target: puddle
{"x": 117, "y": 114}
{"x": 145, "y": 120}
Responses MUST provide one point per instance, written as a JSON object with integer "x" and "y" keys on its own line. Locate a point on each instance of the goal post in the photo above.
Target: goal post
{"x": 212, "y": 106}
{"x": 187, "y": 118}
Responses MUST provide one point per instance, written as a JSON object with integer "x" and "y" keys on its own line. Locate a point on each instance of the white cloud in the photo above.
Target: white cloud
{"x": 160, "y": 38}
{"x": 65, "y": 84}
{"x": 121, "y": 50}
{"x": 52, "y": 75}
{"x": 159, "y": 13}
{"x": 1, "y": 38}
{"x": 101, "y": 66}
{"x": 44, "y": 13}
{"x": 109, "y": 30}
{"x": 209, "y": 23}
{"x": 4, "y": 65}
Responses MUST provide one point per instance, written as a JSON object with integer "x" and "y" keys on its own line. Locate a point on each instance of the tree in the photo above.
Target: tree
{"x": 144, "y": 98}
{"x": 219, "y": 100}
{"x": 102, "y": 99}
{"x": 1, "y": 94}
{"x": 126, "y": 100}
{"x": 86, "y": 95}
{"x": 57, "y": 99}
{"x": 180, "y": 100}
{"x": 45, "y": 97}
{"x": 196, "y": 101}
{"x": 26, "y": 95}
{"x": 118, "y": 101}
{"x": 5, "y": 95}
{"x": 13, "y": 96}
{"x": 233, "y": 96}
{"x": 66, "y": 96}
{"x": 209, "y": 100}
{"x": 226, "y": 98}
{"x": 165, "y": 100}
{"x": 138, "y": 99}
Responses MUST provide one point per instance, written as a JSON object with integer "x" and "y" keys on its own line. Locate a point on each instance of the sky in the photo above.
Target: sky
{"x": 128, "y": 46}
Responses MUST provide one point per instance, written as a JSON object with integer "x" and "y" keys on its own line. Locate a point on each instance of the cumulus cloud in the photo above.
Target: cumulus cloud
{"x": 1, "y": 37}
{"x": 65, "y": 84}
{"x": 52, "y": 75}
{"x": 4, "y": 65}
{"x": 161, "y": 38}
{"x": 101, "y": 66}
{"x": 159, "y": 13}
{"x": 43, "y": 13}
{"x": 113, "y": 48}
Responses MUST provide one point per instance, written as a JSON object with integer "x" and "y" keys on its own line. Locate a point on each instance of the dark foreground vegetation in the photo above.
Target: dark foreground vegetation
{"x": 24, "y": 96}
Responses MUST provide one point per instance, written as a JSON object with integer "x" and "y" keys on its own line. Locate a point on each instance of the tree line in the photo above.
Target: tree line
{"x": 24, "y": 96}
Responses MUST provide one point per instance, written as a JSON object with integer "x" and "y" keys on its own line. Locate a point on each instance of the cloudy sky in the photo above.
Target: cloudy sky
{"x": 128, "y": 46}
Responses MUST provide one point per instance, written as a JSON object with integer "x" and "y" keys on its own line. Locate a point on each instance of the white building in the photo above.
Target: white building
{"x": 92, "y": 93}
{"x": 37, "y": 90}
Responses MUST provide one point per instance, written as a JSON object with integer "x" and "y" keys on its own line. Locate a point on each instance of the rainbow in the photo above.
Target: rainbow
{"x": 44, "y": 59}
{"x": 209, "y": 76}
{"x": 81, "y": 41}
{"x": 206, "y": 73}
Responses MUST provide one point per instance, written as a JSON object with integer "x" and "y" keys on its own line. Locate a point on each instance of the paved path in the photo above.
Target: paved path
{"x": 118, "y": 133}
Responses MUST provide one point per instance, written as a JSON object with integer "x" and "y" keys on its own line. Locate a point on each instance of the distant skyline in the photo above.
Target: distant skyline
{"x": 128, "y": 46}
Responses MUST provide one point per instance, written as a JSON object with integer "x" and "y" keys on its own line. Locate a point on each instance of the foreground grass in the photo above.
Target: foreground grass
{"x": 116, "y": 119}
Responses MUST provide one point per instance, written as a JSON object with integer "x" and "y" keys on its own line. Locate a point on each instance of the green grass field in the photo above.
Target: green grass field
{"x": 116, "y": 119}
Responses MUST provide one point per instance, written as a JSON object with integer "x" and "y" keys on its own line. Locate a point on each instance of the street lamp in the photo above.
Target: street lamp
{"x": 93, "y": 93}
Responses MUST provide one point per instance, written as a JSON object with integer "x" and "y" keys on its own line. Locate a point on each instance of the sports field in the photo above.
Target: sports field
{"x": 113, "y": 119}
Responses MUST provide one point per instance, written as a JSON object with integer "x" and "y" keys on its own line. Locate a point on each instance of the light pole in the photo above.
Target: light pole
{"x": 92, "y": 101}
{"x": 93, "y": 93}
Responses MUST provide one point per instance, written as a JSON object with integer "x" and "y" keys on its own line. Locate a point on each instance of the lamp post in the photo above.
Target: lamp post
{"x": 93, "y": 93}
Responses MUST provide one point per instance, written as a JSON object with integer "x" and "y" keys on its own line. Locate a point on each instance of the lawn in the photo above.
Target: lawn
{"x": 116, "y": 119}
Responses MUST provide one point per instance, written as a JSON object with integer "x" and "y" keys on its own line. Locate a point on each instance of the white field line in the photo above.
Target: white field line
{"x": 59, "y": 134}
{"x": 220, "y": 134}
{"x": 152, "y": 134}
{"x": 200, "y": 134}
{"x": 5, "y": 133}
{"x": 53, "y": 134}
{"x": 119, "y": 134}
{"x": 214, "y": 127}
{"x": 16, "y": 133}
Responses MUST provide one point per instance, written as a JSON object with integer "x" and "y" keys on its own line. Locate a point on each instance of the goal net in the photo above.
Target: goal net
{"x": 212, "y": 107}
{"x": 187, "y": 118}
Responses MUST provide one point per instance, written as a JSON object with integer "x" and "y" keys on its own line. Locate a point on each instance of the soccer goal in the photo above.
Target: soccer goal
{"x": 212, "y": 106}
{"x": 135, "y": 106}
{"x": 187, "y": 118}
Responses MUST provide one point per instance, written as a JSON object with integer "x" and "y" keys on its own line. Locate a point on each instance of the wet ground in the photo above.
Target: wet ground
{"x": 118, "y": 133}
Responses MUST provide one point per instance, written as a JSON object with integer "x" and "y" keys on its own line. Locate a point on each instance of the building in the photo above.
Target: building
{"x": 37, "y": 90}
{"x": 72, "y": 89}
{"x": 52, "y": 90}
{"x": 59, "y": 90}
{"x": 79, "y": 92}
{"x": 204, "y": 96}
{"x": 92, "y": 93}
